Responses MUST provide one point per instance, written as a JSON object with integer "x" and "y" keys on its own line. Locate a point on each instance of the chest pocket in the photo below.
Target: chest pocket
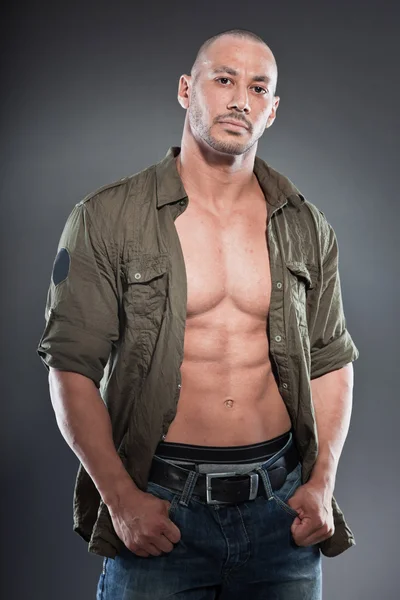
{"x": 301, "y": 278}
{"x": 146, "y": 280}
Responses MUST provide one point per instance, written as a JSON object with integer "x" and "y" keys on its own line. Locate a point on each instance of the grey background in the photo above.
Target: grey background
{"x": 89, "y": 96}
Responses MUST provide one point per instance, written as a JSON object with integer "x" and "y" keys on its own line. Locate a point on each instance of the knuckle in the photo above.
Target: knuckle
{"x": 152, "y": 538}
{"x": 146, "y": 537}
{"x": 133, "y": 547}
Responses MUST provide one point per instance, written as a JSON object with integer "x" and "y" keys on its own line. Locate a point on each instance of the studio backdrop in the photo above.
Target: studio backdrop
{"x": 89, "y": 95}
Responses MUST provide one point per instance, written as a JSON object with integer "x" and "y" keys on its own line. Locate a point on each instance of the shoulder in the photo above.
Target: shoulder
{"x": 324, "y": 231}
{"x": 310, "y": 235}
{"x": 105, "y": 191}
{"x": 308, "y": 212}
{"x": 322, "y": 224}
{"x": 112, "y": 196}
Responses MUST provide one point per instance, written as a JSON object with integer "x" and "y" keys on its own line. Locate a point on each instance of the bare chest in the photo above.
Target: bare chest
{"x": 226, "y": 259}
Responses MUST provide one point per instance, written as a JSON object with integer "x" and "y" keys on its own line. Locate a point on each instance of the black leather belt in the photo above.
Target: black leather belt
{"x": 228, "y": 488}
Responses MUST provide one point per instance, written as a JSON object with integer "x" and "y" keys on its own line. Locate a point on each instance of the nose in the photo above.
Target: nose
{"x": 240, "y": 100}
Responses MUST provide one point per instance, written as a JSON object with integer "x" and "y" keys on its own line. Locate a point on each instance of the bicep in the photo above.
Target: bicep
{"x": 82, "y": 302}
{"x": 331, "y": 346}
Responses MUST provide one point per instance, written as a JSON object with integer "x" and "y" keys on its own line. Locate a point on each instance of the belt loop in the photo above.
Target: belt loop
{"x": 266, "y": 481}
{"x": 263, "y": 470}
{"x": 188, "y": 487}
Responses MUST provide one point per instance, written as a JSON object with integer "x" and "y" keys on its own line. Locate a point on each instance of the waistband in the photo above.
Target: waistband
{"x": 260, "y": 451}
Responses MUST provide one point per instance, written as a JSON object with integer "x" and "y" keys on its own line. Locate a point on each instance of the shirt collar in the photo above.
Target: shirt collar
{"x": 277, "y": 188}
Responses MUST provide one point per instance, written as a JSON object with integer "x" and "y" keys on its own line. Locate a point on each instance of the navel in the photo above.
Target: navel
{"x": 228, "y": 403}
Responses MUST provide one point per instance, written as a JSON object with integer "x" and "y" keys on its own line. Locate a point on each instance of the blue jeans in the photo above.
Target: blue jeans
{"x": 226, "y": 552}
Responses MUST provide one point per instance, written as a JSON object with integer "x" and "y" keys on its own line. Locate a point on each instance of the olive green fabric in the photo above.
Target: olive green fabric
{"x": 116, "y": 312}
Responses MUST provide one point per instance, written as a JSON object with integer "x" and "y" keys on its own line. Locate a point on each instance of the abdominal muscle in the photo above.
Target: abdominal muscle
{"x": 229, "y": 396}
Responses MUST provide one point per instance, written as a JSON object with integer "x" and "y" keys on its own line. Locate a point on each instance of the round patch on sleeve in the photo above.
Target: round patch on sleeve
{"x": 61, "y": 266}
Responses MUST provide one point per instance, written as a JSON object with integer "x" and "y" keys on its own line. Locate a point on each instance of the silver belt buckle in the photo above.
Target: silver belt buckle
{"x": 253, "y": 485}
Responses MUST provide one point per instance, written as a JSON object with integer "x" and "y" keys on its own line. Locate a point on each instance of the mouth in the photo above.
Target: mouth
{"x": 234, "y": 124}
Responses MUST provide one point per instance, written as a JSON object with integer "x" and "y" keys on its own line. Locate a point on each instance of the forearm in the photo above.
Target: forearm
{"x": 85, "y": 424}
{"x": 332, "y": 398}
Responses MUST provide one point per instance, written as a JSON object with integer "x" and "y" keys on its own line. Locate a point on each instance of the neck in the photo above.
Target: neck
{"x": 215, "y": 180}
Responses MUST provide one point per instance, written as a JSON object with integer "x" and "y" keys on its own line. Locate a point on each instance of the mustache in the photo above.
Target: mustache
{"x": 235, "y": 117}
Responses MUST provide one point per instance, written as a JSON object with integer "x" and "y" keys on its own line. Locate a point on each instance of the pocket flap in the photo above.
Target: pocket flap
{"x": 144, "y": 268}
{"x": 302, "y": 271}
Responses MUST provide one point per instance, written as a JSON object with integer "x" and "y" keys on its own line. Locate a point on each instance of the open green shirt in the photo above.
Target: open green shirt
{"x": 116, "y": 312}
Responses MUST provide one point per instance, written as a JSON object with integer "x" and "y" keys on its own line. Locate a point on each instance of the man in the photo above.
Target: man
{"x": 200, "y": 366}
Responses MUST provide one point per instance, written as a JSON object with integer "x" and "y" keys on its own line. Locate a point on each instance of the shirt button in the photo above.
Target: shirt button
{"x": 137, "y": 275}
{"x": 284, "y": 385}
{"x": 278, "y": 338}
{"x": 279, "y": 285}
{"x": 182, "y": 202}
{"x": 179, "y": 385}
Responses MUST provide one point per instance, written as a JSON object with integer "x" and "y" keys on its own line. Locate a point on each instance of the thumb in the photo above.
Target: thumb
{"x": 295, "y": 502}
{"x": 296, "y": 523}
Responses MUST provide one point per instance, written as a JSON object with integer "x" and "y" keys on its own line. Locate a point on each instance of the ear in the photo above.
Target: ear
{"x": 272, "y": 115}
{"x": 184, "y": 90}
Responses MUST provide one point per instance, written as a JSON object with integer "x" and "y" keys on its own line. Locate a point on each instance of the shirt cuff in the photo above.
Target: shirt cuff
{"x": 335, "y": 355}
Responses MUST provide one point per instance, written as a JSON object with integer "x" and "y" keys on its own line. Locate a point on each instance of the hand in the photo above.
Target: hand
{"x": 141, "y": 522}
{"x": 313, "y": 502}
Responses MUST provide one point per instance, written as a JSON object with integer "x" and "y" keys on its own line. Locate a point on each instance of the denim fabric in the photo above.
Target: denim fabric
{"x": 225, "y": 552}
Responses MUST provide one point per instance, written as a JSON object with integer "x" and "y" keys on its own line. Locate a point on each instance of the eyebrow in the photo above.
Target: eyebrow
{"x": 230, "y": 71}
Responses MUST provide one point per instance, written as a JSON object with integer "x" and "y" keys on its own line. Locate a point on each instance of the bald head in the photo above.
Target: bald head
{"x": 202, "y": 54}
{"x": 232, "y": 79}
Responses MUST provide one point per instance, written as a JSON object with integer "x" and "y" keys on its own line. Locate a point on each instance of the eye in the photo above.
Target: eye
{"x": 263, "y": 90}
{"x": 222, "y": 78}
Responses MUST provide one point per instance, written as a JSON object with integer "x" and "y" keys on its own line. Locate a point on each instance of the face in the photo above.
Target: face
{"x": 235, "y": 82}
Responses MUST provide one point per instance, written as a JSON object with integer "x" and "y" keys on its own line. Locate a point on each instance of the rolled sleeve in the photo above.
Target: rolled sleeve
{"x": 82, "y": 301}
{"x": 331, "y": 346}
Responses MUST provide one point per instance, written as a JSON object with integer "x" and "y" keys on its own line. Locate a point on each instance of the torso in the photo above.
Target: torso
{"x": 229, "y": 396}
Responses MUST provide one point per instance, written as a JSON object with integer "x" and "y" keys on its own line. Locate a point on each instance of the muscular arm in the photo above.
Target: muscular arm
{"x": 332, "y": 398}
{"x": 84, "y": 422}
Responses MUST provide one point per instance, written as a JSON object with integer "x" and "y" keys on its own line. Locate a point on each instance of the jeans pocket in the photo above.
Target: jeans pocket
{"x": 292, "y": 482}
{"x": 164, "y": 494}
